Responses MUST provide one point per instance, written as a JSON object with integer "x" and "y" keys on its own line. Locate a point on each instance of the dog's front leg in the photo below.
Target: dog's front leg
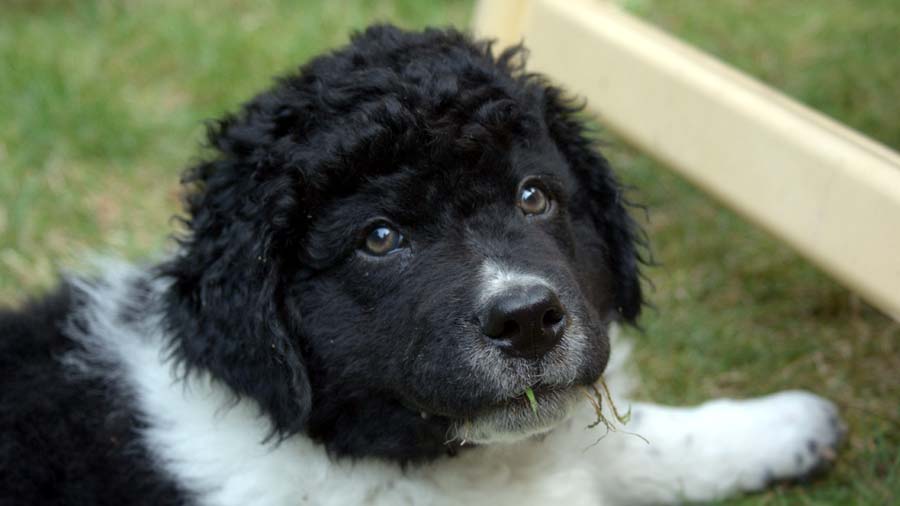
{"x": 716, "y": 449}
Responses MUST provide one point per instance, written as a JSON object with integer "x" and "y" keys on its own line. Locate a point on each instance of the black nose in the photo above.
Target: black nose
{"x": 524, "y": 321}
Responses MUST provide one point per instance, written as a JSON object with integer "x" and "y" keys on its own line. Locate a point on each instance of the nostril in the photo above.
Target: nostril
{"x": 551, "y": 317}
{"x": 510, "y": 330}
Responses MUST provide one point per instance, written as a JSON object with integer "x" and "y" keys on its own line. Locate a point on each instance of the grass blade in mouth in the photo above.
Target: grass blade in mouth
{"x": 531, "y": 399}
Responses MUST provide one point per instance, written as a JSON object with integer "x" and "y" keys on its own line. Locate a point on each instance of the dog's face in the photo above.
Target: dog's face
{"x": 394, "y": 245}
{"x": 454, "y": 287}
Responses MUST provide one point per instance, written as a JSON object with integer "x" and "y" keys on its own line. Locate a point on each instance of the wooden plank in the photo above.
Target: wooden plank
{"x": 831, "y": 193}
{"x": 502, "y": 19}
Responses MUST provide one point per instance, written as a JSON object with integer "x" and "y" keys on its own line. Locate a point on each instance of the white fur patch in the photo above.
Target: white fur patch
{"x": 497, "y": 279}
{"x": 215, "y": 448}
{"x": 719, "y": 448}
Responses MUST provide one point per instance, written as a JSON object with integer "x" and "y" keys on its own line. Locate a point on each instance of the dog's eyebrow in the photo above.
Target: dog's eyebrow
{"x": 548, "y": 165}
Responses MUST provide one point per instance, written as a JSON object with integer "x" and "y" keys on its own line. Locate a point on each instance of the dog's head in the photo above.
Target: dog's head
{"x": 391, "y": 246}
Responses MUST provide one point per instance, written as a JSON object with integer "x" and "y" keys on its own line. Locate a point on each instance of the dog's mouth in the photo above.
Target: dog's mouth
{"x": 535, "y": 411}
{"x": 535, "y": 398}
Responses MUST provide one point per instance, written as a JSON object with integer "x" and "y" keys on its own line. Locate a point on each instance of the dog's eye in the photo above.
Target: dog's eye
{"x": 383, "y": 239}
{"x": 533, "y": 200}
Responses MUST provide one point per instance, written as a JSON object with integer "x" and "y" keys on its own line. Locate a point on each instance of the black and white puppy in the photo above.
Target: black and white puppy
{"x": 385, "y": 252}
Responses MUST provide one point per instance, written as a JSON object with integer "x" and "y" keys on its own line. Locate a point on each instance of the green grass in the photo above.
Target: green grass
{"x": 739, "y": 313}
{"x": 102, "y": 104}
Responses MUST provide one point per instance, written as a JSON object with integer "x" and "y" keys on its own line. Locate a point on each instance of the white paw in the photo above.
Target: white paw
{"x": 791, "y": 436}
{"x": 721, "y": 447}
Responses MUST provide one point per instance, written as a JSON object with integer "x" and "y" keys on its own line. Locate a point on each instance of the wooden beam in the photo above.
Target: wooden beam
{"x": 502, "y": 19}
{"x": 829, "y": 192}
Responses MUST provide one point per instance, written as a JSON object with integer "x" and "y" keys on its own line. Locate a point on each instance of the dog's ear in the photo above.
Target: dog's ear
{"x": 606, "y": 203}
{"x": 225, "y": 306}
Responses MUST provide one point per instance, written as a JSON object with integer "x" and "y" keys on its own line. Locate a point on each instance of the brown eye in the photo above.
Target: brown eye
{"x": 533, "y": 200}
{"x": 383, "y": 239}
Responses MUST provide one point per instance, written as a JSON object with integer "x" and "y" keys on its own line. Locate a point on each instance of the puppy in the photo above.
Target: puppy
{"x": 403, "y": 268}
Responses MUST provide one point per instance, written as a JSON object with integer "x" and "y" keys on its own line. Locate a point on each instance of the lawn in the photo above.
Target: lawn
{"x": 102, "y": 105}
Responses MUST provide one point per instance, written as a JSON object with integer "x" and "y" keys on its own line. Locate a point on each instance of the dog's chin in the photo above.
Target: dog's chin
{"x": 517, "y": 419}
